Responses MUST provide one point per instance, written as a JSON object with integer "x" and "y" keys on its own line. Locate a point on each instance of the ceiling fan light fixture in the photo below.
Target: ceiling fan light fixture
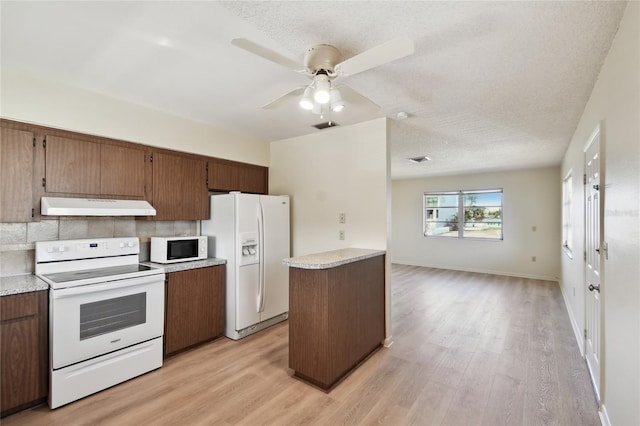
{"x": 323, "y": 89}
{"x": 307, "y": 101}
{"x": 337, "y": 104}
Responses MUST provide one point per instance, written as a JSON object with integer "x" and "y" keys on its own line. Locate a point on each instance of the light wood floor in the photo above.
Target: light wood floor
{"x": 468, "y": 349}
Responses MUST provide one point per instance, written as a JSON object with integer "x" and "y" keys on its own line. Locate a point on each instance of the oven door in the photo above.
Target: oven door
{"x": 92, "y": 320}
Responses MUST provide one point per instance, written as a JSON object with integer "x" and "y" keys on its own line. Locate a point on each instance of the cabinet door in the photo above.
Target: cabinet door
{"x": 222, "y": 176}
{"x": 194, "y": 307}
{"x": 180, "y": 187}
{"x": 23, "y": 350}
{"x": 232, "y": 176}
{"x": 253, "y": 179}
{"x": 72, "y": 166}
{"x": 16, "y": 175}
{"x": 122, "y": 171}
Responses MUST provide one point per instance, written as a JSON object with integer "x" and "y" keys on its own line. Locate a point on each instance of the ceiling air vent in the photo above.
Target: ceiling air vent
{"x": 325, "y": 125}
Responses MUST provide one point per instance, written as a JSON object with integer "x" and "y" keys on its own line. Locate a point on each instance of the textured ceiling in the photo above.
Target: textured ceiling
{"x": 491, "y": 86}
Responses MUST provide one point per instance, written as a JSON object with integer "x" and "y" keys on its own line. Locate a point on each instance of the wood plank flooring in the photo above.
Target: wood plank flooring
{"x": 469, "y": 349}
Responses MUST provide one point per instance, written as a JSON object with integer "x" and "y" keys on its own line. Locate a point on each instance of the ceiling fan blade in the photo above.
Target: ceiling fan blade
{"x": 267, "y": 54}
{"x": 353, "y": 97}
{"x": 287, "y": 97}
{"x": 376, "y": 56}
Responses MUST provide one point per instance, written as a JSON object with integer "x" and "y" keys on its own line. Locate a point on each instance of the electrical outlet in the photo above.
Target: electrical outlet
{"x": 341, "y": 234}
{"x": 342, "y": 218}
{"x": 533, "y": 258}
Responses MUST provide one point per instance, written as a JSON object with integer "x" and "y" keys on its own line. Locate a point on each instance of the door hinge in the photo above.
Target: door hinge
{"x": 34, "y": 141}
{"x": 585, "y": 334}
{"x": 584, "y": 179}
{"x": 151, "y": 158}
{"x": 585, "y": 255}
{"x": 44, "y": 182}
{"x": 33, "y": 212}
{"x": 44, "y": 142}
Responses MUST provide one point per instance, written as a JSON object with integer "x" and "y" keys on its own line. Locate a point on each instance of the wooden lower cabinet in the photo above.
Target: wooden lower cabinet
{"x": 24, "y": 379}
{"x": 194, "y": 307}
{"x": 336, "y": 319}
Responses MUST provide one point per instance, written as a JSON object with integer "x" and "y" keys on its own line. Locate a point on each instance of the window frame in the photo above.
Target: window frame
{"x": 460, "y": 212}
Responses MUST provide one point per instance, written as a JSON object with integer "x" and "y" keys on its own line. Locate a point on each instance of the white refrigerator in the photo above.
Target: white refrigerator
{"x": 251, "y": 232}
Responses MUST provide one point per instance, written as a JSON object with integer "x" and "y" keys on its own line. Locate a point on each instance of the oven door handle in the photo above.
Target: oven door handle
{"x": 106, "y": 286}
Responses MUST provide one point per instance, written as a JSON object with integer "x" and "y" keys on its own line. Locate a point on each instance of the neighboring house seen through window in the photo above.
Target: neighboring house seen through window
{"x": 463, "y": 214}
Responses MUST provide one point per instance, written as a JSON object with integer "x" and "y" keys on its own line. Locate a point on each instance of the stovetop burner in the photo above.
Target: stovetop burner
{"x": 70, "y": 276}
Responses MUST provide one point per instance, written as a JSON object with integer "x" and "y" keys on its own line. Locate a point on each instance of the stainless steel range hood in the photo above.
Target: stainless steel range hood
{"x": 58, "y": 206}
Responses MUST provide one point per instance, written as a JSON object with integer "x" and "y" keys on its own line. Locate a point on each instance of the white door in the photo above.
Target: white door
{"x": 275, "y": 247}
{"x": 593, "y": 208}
{"x": 247, "y": 286}
{"x": 247, "y": 303}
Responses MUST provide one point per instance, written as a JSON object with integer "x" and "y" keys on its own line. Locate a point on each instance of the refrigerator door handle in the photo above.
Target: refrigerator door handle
{"x": 261, "y": 288}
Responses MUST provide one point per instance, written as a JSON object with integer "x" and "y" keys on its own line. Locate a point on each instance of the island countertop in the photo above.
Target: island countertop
{"x": 331, "y": 259}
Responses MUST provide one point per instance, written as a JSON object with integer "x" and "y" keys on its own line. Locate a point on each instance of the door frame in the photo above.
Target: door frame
{"x": 598, "y": 133}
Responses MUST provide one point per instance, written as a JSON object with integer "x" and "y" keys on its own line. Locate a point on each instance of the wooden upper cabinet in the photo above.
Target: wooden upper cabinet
{"x": 227, "y": 175}
{"x": 122, "y": 171}
{"x": 74, "y": 166}
{"x": 180, "y": 187}
{"x": 16, "y": 175}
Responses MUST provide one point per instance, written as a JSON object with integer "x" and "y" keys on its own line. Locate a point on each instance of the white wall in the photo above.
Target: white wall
{"x": 338, "y": 170}
{"x": 615, "y": 105}
{"x": 530, "y": 198}
{"x": 29, "y": 99}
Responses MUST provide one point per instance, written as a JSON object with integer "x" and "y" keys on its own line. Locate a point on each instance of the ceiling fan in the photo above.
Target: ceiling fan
{"x": 323, "y": 64}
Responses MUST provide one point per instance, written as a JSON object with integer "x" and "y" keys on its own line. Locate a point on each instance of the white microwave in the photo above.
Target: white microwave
{"x": 178, "y": 249}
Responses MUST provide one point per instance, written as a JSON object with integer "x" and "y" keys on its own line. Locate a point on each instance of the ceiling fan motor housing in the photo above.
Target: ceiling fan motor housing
{"x": 321, "y": 57}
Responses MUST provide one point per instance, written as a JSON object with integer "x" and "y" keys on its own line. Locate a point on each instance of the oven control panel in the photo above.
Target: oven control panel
{"x": 50, "y": 251}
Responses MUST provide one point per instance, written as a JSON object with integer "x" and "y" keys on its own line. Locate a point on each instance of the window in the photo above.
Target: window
{"x": 567, "y": 228}
{"x": 481, "y": 214}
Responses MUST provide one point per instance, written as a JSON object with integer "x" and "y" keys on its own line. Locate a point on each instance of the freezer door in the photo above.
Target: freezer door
{"x": 247, "y": 296}
{"x": 275, "y": 247}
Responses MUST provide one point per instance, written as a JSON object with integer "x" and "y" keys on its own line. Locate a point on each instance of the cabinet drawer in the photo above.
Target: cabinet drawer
{"x": 18, "y": 306}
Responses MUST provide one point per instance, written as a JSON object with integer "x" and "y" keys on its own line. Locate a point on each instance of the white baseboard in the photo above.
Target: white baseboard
{"x": 387, "y": 342}
{"x": 604, "y": 416}
{"x": 480, "y": 271}
{"x": 574, "y": 324}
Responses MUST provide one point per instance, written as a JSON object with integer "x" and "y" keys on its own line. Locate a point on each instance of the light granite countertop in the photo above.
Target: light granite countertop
{"x": 18, "y": 284}
{"x": 331, "y": 259}
{"x": 185, "y": 266}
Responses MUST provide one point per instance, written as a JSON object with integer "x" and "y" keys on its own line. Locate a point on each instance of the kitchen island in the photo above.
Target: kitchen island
{"x": 336, "y": 312}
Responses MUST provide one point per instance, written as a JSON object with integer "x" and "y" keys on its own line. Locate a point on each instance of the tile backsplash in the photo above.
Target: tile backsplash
{"x": 17, "y": 240}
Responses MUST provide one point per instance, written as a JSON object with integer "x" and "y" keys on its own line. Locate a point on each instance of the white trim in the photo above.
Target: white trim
{"x": 592, "y": 138}
{"x": 604, "y": 416}
{"x": 387, "y": 342}
{"x": 479, "y": 271}
{"x": 574, "y": 324}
